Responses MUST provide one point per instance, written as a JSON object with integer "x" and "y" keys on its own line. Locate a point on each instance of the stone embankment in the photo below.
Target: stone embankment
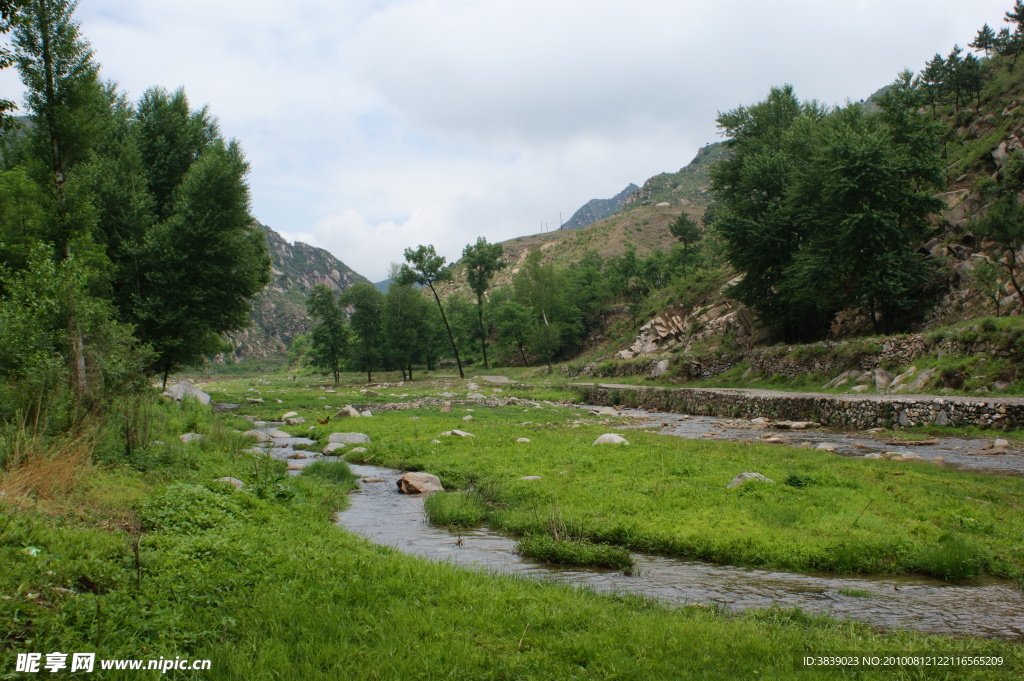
{"x": 852, "y": 411}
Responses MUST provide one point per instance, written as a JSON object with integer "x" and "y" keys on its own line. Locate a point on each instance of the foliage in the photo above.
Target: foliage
{"x": 328, "y": 343}
{"x": 482, "y": 261}
{"x": 426, "y": 268}
{"x": 367, "y": 324}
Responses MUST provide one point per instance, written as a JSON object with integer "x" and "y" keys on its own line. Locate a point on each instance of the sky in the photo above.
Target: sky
{"x": 375, "y": 125}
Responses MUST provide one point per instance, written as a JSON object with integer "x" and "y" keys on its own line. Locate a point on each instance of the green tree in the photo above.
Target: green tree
{"x": 686, "y": 231}
{"x": 328, "y": 341}
{"x": 406, "y": 326}
{"x": 367, "y": 324}
{"x": 482, "y": 261}
{"x": 1004, "y": 224}
{"x": 514, "y": 325}
{"x": 9, "y": 10}
{"x": 985, "y": 40}
{"x": 426, "y": 268}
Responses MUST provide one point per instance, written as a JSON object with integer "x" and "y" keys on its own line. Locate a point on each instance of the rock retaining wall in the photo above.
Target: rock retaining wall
{"x": 830, "y": 410}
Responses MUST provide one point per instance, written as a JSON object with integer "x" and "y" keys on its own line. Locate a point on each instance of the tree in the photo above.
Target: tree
{"x": 1004, "y": 224}
{"x": 328, "y": 341}
{"x": 427, "y": 269}
{"x": 9, "y": 10}
{"x": 482, "y": 260}
{"x": 514, "y": 325}
{"x": 685, "y": 230}
{"x": 406, "y": 320}
{"x": 367, "y": 323}
{"x": 985, "y": 40}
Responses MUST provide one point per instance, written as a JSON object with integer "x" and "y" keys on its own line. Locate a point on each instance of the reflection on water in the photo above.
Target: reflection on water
{"x": 985, "y": 607}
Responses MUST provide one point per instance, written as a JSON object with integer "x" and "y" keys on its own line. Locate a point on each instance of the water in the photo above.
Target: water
{"x": 987, "y": 607}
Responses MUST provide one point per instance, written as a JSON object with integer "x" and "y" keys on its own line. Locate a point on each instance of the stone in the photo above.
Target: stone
{"x": 795, "y": 425}
{"x": 860, "y": 389}
{"x": 347, "y": 412}
{"x": 467, "y": 418}
{"x": 941, "y": 418}
{"x": 922, "y": 381}
{"x": 1001, "y": 444}
{"x": 366, "y": 414}
{"x": 278, "y": 401}
{"x": 414, "y": 418}
{"x": 610, "y": 439}
{"x": 435, "y": 442}
{"x": 349, "y": 438}
{"x": 368, "y": 393}
{"x": 419, "y": 483}
{"x": 826, "y": 447}
{"x": 179, "y": 391}
{"x": 297, "y": 421}
{"x": 607, "y": 411}
{"x": 530, "y": 477}
{"x": 279, "y": 434}
{"x": 359, "y": 450}
{"x": 332, "y": 447}
{"x": 191, "y": 437}
{"x": 842, "y": 378}
{"x": 291, "y": 414}
{"x": 523, "y": 439}
{"x": 660, "y": 369}
{"x": 294, "y": 466}
{"x": 775, "y": 440}
{"x": 873, "y": 455}
{"x": 457, "y": 433}
{"x": 743, "y": 477}
{"x": 475, "y": 396}
{"x": 472, "y": 386}
{"x": 882, "y": 379}
{"x": 298, "y": 455}
{"x": 254, "y": 400}
{"x": 234, "y": 482}
{"x": 938, "y": 459}
{"x": 900, "y": 381}
{"x": 374, "y": 480}
{"x": 446, "y": 407}
{"x": 258, "y": 434}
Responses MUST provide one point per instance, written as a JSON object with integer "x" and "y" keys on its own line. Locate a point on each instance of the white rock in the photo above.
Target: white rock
{"x": 743, "y": 477}
{"x": 467, "y": 418}
{"x": 291, "y": 414}
{"x": 435, "y": 442}
{"x": 530, "y": 477}
{"x": 347, "y": 412}
{"x": 279, "y": 434}
{"x": 333, "y": 447}
{"x": 258, "y": 434}
{"x": 297, "y": 421}
{"x": 826, "y": 447}
{"x": 349, "y": 438}
{"x": 359, "y": 450}
{"x": 419, "y": 483}
{"x": 180, "y": 390}
{"x": 191, "y": 437}
{"x": 523, "y": 439}
{"x": 458, "y": 433}
{"x": 873, "y": 455}
{"x": 475, "y": 396}
{"x": 366, "y": 413}
{"x": 610, "y": 439}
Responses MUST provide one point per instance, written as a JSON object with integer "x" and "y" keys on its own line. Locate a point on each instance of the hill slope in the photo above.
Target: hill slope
{"x": 599, "y": 209}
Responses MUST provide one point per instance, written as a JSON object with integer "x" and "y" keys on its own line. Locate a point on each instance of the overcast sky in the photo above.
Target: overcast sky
{"x": 373, "y": 125}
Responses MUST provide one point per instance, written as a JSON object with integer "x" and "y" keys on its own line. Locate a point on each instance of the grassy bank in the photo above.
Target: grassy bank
{"x": 146, "y": 556}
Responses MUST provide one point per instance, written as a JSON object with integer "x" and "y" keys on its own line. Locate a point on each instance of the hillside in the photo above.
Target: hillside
{"x": 279, "y": 312}
{"x": 686, "y": 187}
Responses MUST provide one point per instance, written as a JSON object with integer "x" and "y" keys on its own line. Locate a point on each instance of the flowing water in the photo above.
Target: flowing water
{"x": 985, "y": 607}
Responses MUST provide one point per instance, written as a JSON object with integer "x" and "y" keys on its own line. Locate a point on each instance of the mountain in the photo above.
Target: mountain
{"x": 685, "y": 187}
{"x": 279, "y": 312}
{"x": 599, "y": 209}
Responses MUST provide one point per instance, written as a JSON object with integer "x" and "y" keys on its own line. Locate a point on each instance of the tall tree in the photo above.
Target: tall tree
{"x": 426, "y": 268}
{"x": 329, "y": 338}
{"x": 367, "y": 323}
{"x": 985, "y": 40}
{"x": 482, "y": 260}
{"x": 9, "y": 10}
{"x": 686, "y": 231}
{"x": 406, "y": 325}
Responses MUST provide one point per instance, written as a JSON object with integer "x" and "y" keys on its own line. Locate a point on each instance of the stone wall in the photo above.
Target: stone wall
{"x": 867, "y": 411}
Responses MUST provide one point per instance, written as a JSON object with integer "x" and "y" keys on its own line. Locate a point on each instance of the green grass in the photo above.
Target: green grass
{"x": 264, "y": 584}
{"x": 855, "y": 593}
{"x": 336, "y": 472}
{"x": 569, "y": 553}
{"x": 455, "y": 509}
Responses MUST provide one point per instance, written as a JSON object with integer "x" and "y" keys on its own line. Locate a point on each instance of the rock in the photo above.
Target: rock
{"x": 446, "y": 407}
{"x": 475, "y": 396}
{"x": 414, "y": 418}
{"x": 279, "y": 434}
{"x": 860, "y": 389}
{"x": 842, "y": 378}
{"x": 419, "y": 483}
{"x": 795, "y": 425}
{"x": 922, "y": 381}
{"x": 523, "y": 439}
{"x": 901, "y": 380}
{"x": 254, "y": 450}
{"x": 607, "y": 411}
{"x": 295, "y": 466}
{"x": 291, "y": 414}
{"x": 610, "y": 439}
{"x": 938, "y": 459}
{"x": 234, "y": 482}
{"x": 660, "y": 369}
{"x": 254, "y": 400}
{"x": 858, "y": 445}
{"x": 297, "y": 421}
{"x": 775, "y": 440}
{"x": 1001, "y": 444}
{"x": 743, "y": 477}
{"x": 359, "y": 450}
{"x": 472, "y": 386}
{"x": 374, "y": 480}
{"x": 368, "y": 393}
{"x": 349, "y": 438}
{"x": 875, "y": 430}
{"x": 873, "y": 455}
{"x": 826, "y": 447}
{"x": 530, "y": 477}
{"x": 258, "y": 434}
{"x": 467, "y": 418}
{"x": 497, "y": 390}
{"x": 333, "y": 447}
{"x": 882, "y": 379}
{"x": 298, "y": 455}
{"x": 941, "y": 418}
{"x": 435, "y": 442}
{"x": 278, "y": 401}
{"x": 458, "y": 433}
{"x": 178, "y": 391}
{"x": 191, "y": 437}
{"x": 347, "y": 412}
{"x": 366, "y": 414}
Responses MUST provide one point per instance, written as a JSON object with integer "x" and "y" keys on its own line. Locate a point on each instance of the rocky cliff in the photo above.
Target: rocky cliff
{"x": 599, "y": 209}
{"x": 279, "y": 312}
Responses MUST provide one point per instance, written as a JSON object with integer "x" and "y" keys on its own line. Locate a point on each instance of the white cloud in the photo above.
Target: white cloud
{"x": 373, "y": 125}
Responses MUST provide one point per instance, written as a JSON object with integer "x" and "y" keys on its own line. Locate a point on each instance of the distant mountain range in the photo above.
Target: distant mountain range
{"x": 599, "y": 209}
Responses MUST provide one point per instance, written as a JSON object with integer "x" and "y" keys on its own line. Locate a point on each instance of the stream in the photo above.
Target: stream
{"x": 982, "y": 607}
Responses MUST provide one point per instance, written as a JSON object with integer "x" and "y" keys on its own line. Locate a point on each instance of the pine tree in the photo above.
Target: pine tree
{"x": 985, "y": 40}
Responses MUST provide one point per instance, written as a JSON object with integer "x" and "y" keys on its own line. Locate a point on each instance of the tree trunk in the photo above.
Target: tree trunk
{"x": 451, "y": 337}
{"x": 410, "y": 371}
{"x": 483, "y": 333}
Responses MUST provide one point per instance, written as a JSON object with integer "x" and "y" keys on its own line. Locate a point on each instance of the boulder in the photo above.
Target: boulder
{"x": 359, "y": 450}
{"x": 333, "y": 447}
{"x": 922, "y": 381}
{"x": 826, "y": 447}
{"x": 366, "y": 414}
{"x": 475, "y": 396}
{"x": 467, "y": 418}
{"x": 446, "y": 407}
{"x": 873, "y": 455}
{"x": 347, "y": 412}
{"x": 191, "y": 437}
{"x": 291, "y": 414}
{"x": 258, "y": 434}
{"x": 458, "y": 433}
{"x": 297, "y": 421}
{"x": 898, "y": 384}
{"x": 743, "y": 477}
{"x": 419, "y": 483}
{"x": 180, "y": 390}
{"x": 610, "y": 439}
{"x": 660, "y": 369}
{"x": 279, "y": 434}
{"x": 254, "y": 400}
{"x": 349, "y": 438}
{"x": 374, "y": 480}
{"x": 859, "y": 389}
{"x": 234, "y": 482}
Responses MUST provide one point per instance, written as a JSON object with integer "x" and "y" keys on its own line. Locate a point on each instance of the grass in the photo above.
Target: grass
{"x": 568, "y": 552}
{"x": 142, "y": 555}
{"x": 855, "y": 593}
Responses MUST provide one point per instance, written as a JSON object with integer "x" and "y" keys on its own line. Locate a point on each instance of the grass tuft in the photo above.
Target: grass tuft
{"x": 575, "y": 553}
